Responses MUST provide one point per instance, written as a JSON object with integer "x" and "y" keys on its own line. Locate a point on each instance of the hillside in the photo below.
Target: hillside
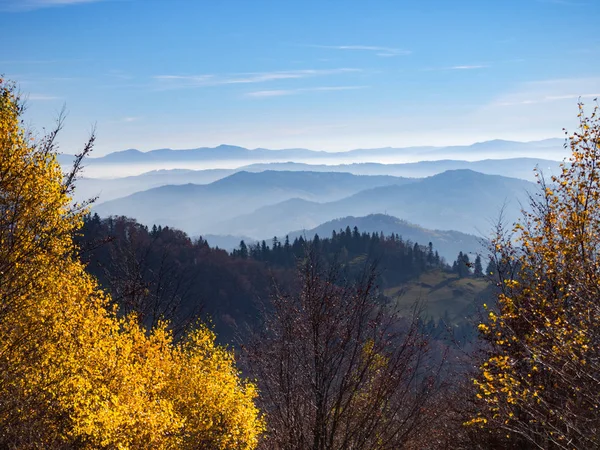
{"x": 197, "y": 209}
{"x": 461, "y": 200}
{"x": 445, "y": 295}
{"x": 110, "y": 189}
{"x": 448, "y": 243}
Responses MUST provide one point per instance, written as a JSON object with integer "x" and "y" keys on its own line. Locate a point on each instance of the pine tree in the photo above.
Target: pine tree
{"x": 478, "y": 268}
{"x": 243, "y": 252}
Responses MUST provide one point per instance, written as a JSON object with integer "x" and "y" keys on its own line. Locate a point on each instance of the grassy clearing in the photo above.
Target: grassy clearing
{"x": 444, "y": 293}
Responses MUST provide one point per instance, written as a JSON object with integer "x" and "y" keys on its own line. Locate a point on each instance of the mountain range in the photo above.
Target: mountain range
{"x": 461, "y": 200}
{"x": 511, "y": 167}
{"x": 273, "y": 203}
{"x": 133, "y": 161}
{"x": 200, "y": 208}
{"x": 109, "y": 189}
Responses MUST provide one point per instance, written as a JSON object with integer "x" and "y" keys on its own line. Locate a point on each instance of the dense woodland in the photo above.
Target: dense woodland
{"x": 400, "y": 259}
{"x": 161, "y": 273}
{"x": 107, "y": 326}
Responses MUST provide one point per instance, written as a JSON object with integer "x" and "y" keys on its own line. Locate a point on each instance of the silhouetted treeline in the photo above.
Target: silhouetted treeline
{"x": 398, "y": 260}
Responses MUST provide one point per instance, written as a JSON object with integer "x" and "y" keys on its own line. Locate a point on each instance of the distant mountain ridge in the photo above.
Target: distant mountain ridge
{"x": 266, "y": 204}
{"x": 461, "y": 200}
{"x": 109, "y": 189}
{"x": 510, "y": 167}
{"x": 232, "y": 152}
{"x": 197, "y": 209}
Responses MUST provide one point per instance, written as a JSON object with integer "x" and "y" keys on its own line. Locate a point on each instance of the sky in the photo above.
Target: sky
{"x": 325, "y": 75}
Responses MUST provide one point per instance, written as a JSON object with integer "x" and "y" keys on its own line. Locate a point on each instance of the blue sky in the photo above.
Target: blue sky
{"x": 328, "y": 75}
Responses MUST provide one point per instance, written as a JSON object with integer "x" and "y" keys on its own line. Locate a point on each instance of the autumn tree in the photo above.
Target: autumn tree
{"x": 338, "y": 369}
{"x": 541, "y": 379}
{"x": 73, "y": 374}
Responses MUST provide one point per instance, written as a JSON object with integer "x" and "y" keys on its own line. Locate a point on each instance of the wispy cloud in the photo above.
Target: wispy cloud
{"x": 39, "y": 61}
{"x": 458, "y": 67}
{"x": 540, "y": 92}
{"x": 548, "y": 98}
{"x": 41, "y": 97}
{"x": 469, "y": 67}
{"x": 284, "y": 92}
{"x": 571, "y": 96}
{"x": 190, "y": 81}
{"x": 130, "y": 119}
{"x": 562, "y": 2}
{"x": 119, "y": 74}
{"x": 29, "y": 5}
{"x": 270, "y": 93}
{"x": 379, "y": 51}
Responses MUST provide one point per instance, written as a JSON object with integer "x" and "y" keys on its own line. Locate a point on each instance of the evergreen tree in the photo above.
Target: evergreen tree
{"x": 316, "y": 241}
{"x": 243, "y": 252}
{"x": 461, "y": 265}
{"x": 478, "y": 269}
{"x": 430, "y": 256}
{"x": 264, "y": 251}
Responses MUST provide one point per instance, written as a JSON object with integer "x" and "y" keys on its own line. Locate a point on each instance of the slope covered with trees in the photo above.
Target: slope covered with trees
{"x": 398, "y": 259}
{"x": 447, "y": 243}
{"x": 160, "y": 272}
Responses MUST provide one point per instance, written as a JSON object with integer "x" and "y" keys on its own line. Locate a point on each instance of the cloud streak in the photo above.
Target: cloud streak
{"x": 459, "y": 67}
{"x": 284, "y": 92}
{"x": 469, "y": 67}
{"x": 30, "y": 5}
{"x": 192, "y": 81}
{"x": 544, "y": 92}
{"x": 562, "y": 2}
{"x": 41, "y": 97}
{"x": 379, "y": 51}
{"x": 548, "y": 98}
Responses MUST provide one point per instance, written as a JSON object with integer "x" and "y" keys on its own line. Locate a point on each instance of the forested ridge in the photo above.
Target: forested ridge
{"x": 160, "y": 272}
{"x": 116, "y": 334}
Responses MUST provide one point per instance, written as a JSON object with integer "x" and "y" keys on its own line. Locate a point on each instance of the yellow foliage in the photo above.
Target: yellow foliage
{"x": 74, "y": 374}
{"x": 543, "y": 340}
